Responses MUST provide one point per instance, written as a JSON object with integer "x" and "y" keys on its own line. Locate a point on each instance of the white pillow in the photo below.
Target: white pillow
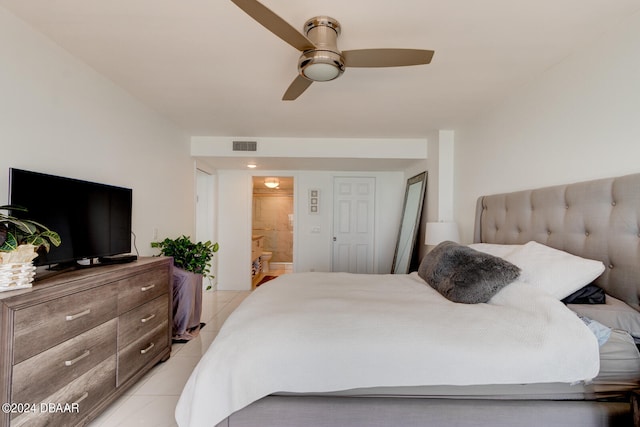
{"x": 494, "y": 249}
{"x": 556, "y": 272}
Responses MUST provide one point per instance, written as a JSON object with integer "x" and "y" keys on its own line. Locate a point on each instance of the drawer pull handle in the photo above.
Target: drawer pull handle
{"x": 81, "y": 398}
{"x": 146, "y": 288}
{"x": 146, "y": 319}
{"x": 77, "y": 359}
{"x": 78, "y": 315}
{"x": 148, "y": 349}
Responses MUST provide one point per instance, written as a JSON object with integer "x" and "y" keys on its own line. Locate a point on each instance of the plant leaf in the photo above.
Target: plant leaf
{"x": 10, "y": 244}
{"x": 187, "y": 255}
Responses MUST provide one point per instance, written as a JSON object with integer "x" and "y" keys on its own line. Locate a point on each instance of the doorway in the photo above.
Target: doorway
{"x": 272, "y": 227}
{"x": 353, "y": 224}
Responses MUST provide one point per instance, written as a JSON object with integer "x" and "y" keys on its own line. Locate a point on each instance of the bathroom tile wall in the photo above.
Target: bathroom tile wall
{"x": 273, "y": 219}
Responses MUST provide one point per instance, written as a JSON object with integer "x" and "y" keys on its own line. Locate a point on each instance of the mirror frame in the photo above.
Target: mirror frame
{"x": 409, "y": 226}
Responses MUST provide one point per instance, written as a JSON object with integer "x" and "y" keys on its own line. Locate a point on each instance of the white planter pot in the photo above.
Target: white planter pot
{"x": 16, "y": 275}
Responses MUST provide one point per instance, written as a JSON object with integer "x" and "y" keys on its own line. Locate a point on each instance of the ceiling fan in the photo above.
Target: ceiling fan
{"x": 321, "y": 60}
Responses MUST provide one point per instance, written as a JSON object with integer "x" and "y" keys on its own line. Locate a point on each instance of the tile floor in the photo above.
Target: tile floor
{"x": 151, "y": 402}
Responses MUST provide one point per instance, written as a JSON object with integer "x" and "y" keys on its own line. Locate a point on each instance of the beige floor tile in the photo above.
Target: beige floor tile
{"x": 141, "y": 411}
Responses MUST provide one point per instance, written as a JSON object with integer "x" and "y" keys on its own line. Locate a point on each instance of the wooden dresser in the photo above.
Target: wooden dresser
{"x": 73, "y": 343}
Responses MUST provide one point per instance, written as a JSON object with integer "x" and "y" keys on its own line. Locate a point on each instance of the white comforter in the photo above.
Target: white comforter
{"x": 322, "y": 332}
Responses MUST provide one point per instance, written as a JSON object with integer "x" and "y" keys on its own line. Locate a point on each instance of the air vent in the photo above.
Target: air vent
{"x": 245, "y": 145}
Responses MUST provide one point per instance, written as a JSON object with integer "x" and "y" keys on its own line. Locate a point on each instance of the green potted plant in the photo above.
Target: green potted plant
{"x": 192, "y": 262}
{"x": 20, "y": 240}
{"x": 189, "y": 256}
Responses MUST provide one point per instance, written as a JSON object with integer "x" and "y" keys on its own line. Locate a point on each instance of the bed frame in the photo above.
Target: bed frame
{"x": 597, "y": 219}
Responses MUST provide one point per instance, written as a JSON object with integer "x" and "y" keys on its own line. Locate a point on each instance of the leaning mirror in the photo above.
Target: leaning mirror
{"x": 411, "y": 212}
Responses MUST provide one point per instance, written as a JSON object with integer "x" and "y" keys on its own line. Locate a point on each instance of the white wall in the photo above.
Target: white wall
{"x": 439, "y": 197}
{"x": 332, "y": 148}
{"x": 580, "y": 120}
{"x": 59, "y": 116}
{"x": 312, "y": 250}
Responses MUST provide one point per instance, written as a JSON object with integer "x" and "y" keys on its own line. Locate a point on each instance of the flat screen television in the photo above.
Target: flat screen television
{"x": 92, "y": 219}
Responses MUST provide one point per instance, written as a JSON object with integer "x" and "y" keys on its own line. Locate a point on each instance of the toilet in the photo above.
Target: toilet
{"x": 264, "y": 260}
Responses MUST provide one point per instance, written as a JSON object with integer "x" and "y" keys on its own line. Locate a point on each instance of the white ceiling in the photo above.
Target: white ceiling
{"x": 213, "y": 70}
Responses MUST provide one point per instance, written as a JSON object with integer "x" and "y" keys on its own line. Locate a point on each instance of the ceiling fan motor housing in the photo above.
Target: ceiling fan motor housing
{"x": 325, "y": 62}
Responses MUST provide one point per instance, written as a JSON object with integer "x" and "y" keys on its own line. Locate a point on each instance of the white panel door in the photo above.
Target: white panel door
{"x": 353, "y": 224}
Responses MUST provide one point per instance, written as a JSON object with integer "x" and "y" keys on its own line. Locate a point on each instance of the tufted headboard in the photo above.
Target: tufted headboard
{"x": 597, "y": 219}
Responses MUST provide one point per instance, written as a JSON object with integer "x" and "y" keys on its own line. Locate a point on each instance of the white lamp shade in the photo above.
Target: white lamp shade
{"x": 438, "y": 232}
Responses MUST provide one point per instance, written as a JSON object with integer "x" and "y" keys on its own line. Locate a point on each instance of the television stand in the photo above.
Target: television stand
{"x": 90, "y": 317}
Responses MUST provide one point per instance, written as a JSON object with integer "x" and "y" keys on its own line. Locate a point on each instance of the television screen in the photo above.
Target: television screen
{"x": 93, "y": 220}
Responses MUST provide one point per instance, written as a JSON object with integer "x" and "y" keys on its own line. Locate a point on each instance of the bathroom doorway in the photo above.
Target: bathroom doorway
{"x": 272, "y": 228}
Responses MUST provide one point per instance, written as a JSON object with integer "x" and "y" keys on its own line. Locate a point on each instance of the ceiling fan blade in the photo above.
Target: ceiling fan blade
{"x": 386, "y": 57}
{"x": 275, "y": 24}
{"x": 299, "y": 85}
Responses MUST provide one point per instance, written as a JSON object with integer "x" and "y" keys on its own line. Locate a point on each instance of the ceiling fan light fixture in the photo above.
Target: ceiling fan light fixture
{"x": 321, "y": 72}
{"x": 321, "y": 60}
{"x": 320, "y": 65}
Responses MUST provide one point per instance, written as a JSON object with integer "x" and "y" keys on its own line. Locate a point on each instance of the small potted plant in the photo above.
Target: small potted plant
{"x": 20, "y": 240}
{"x": 192, "y": 262}
{"x": 189, "y": 256}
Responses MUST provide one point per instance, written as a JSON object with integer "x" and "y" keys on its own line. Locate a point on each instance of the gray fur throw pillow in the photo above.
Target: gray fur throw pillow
{"x": 462, "y": 274}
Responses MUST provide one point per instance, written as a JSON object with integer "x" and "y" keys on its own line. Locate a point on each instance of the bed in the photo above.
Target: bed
{"x": 333, "y": 349}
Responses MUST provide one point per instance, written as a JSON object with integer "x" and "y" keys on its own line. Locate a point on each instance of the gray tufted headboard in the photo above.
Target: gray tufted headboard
{"x": 597, "y": 219}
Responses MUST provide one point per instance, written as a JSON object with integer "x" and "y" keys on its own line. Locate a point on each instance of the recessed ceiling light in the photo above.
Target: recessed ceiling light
{"x": 252, "y": 166}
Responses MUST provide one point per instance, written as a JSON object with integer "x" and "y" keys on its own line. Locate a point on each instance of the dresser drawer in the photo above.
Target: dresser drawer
{"x": 141, "y": 288}
{"x": 80, "y": 395}
{"x": 40, "y": 327}
{"x": 140, "y": 352}
{"x": 142, "y": 320}
{"x": 44, "y": 374}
